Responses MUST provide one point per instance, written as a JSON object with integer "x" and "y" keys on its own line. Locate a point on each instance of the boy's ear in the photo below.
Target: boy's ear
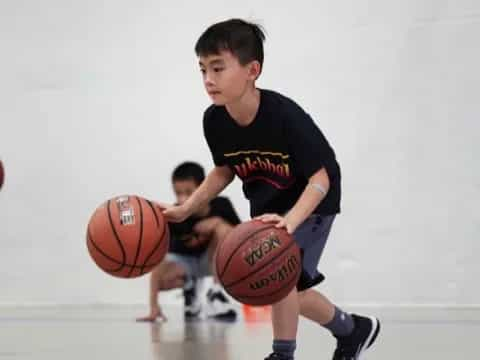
{"x": 254, "y": 69}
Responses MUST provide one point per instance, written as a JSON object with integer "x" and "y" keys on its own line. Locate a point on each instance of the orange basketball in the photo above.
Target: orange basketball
{"x": 127, "y": 236}
{"x": 258, "y": 264}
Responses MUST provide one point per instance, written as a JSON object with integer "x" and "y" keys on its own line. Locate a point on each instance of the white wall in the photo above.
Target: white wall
{"x": 99, "y": 98}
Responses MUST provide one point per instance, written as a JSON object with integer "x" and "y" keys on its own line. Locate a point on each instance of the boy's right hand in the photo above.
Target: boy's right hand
{"x": 175, "y": 213}
{"x": 155, "y": 313}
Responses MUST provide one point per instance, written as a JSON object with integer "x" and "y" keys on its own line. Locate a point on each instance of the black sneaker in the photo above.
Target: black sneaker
{"x": 275, "y": 356}
{"x": 218, "y": 306}
{"x": 192, "y": 306}
{"x": 363, "y": 336}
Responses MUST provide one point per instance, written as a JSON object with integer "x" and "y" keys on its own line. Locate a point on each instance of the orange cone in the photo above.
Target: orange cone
{"x": 256, "y": 313}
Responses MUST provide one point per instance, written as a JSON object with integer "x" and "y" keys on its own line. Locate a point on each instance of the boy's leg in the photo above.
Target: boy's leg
{"x": 285, "y": 317}
{"x": 185, "y": 271}
{"x": 316, "y": 307}
{"x": 312, "y": 236}
{"x": 218, "y": 234}
{"x": 354, "y": 333}
{"x": 165, "y": 276}
{"x": 171, "y": 275}
{"x": 218, "y": 304}
{"x": 285, "y": 324}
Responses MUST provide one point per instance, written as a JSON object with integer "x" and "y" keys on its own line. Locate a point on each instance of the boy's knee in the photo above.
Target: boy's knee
{"x": 223, "y": 227}
{"x": 171, "y": 282}
{"x": 172, "y": 277}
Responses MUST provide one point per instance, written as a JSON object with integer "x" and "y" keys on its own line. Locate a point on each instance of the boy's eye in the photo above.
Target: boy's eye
{"x": 202, "y": 71}
{"x": 218, "y": 69}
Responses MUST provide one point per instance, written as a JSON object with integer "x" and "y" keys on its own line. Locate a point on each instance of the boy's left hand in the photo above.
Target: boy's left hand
{"x": 281, "y": 222}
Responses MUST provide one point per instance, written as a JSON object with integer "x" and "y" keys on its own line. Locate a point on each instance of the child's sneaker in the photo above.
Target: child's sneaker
{"x": 192, "y": 305}
{"x": 363, "y": 336}
{"x": 274, "y": 356}
{"x": 218, "y": 305}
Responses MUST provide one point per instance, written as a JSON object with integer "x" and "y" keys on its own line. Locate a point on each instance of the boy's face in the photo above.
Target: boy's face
{"x": 183, "y": 189}
{"x": 225, "y": 79}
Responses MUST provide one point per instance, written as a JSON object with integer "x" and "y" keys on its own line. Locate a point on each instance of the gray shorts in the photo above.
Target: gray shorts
{"x": 311, "y": 237}
{"x": 194, "y": 265}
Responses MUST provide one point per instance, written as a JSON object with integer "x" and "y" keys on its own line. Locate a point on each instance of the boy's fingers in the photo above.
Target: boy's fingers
{"x": 162, "y": 205}
{"x": 281, "y": 224}
{"x": 269, "y": 217}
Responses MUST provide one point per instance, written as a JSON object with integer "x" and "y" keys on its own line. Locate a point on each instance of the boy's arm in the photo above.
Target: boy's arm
{"x": 154, "y": 287}
{"x": 314, "y": 193}
{"x": 155, "y": 311}
{"x": 314, "y": 159}
{"x": 214, "y": 183}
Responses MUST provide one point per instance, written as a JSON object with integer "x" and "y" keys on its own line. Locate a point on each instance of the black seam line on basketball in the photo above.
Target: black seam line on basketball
{"x": 269, "y": 294}
{"x": 140, "y": 236}
{"x": 155, "y": 249}
{"x": 295, "y": 278}
{"x": 159, "y": 242}
{"x": 154, "y": 212}
{"x": 238, "y": 297}
{"x": 156, "y": 246}
{"x": 113, "y": 260}
{"x": 268, "y": 226}
{"x": 116, "y": 261}
{"x": 90, "y": 238}
{"x": 261, "y": 267}
{"x": 124, "y": 255}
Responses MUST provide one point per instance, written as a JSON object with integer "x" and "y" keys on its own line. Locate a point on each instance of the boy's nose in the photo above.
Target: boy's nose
{"x": 208, "y": 81}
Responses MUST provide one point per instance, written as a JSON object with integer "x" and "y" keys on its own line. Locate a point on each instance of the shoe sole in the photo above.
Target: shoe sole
{"x": 230, "y": 315}
{"x": 190, "y": 314}
{"x": 371, "y": 337}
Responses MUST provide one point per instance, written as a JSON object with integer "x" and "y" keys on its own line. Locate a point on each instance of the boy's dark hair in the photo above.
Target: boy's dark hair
{"x": 189, "y": 171}
{"x": 241, "y": 38}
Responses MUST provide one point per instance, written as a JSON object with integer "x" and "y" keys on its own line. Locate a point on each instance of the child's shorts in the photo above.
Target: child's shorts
{"x": 311, "y": 237}
{"x": 195, "y": 265}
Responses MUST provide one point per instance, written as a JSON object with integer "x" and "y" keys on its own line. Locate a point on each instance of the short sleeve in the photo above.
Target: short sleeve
{"x": 306, "y": 143}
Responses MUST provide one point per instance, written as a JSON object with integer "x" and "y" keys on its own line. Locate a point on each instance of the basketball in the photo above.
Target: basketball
{"x": 2, "y": 174}
{"x": 127, "y": 236}
{"x": 258, "y": 264}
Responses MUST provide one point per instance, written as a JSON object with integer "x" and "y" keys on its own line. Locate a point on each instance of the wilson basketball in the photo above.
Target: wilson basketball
{"x": 127, "y": 236}
{"x": 258, "y": 264}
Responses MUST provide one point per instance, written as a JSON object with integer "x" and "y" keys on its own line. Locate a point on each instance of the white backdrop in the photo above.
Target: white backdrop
{"x": 99, "y": 98}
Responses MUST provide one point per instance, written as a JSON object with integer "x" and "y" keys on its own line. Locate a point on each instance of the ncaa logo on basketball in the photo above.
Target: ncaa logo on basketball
{"x": 127, "y": 215}
{"x": 266, "y": 246}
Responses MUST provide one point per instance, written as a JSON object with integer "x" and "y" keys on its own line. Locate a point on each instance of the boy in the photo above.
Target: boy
{"x": 192, "y": 247}
{"x": 289, "y": 172}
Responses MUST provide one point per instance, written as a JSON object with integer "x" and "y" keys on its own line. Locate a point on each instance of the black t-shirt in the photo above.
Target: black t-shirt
{"x": 182, "y": 233}
{"x": 275, "y": 155}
